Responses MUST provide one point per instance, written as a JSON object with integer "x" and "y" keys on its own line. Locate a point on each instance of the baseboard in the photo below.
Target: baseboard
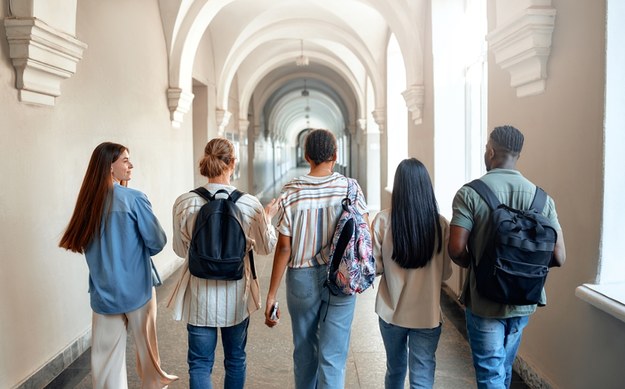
{"x": 57, "y": 364}
{"x": 529, "y": 374}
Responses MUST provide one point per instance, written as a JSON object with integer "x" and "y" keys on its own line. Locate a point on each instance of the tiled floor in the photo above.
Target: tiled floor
{"x": 269, "y": 349}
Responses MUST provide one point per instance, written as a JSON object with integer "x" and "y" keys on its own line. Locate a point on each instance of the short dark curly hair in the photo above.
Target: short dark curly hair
{"x": 508, "y": 138}
{"x": 320, "y": 146}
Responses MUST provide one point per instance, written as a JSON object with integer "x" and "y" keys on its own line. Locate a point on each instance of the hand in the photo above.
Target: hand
{"x": 268, "y": 321}
{"x": 271, "y": 209}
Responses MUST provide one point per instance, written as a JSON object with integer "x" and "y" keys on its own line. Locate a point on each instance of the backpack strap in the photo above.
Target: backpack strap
{"x": 205, "y": 194}
{"x": 485, "y": 193}
{"x": 540, "y": 198}
{"x": 235, "y": 195}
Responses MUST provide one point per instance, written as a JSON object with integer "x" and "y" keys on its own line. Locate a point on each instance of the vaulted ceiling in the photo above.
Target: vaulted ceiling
{"x": 257, "y": 42}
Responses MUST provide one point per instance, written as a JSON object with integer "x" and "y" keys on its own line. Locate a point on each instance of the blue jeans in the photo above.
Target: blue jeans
{"x": 321, "y": 327}
{"x": 201, "y": 355}
{"x": 494, "y": 344}
{"x": 409, "y": 347}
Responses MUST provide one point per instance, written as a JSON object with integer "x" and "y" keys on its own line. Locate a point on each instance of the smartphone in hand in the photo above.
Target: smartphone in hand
{"x": 273, "y": 315}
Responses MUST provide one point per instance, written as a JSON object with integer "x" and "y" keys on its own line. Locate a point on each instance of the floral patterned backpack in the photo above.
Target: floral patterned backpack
{"x": 351, "y": 267}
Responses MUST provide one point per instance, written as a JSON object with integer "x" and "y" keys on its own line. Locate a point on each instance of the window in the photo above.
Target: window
{"x": 608, "y": 293}
{"x": 396, "y": 111}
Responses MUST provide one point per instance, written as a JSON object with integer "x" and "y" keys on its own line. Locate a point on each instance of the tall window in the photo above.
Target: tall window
{"x": 612, "y": 265}
{"x": 460, "y": 97}
{"x": 396, "y": 111}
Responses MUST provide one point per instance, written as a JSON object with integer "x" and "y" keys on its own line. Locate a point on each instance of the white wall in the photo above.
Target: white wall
{"x": 570, "y": 343}
{"x": 117, "y": 94}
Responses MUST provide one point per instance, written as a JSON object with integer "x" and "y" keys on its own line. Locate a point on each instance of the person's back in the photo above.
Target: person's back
{"x": 494, "y": 351}
{"x": 321, "y": 324}
{"x": 211, "y": 305}
{"x": 410, "y": 249}
{"x": 116, "y": 230}
{"x": 130, "y": 235}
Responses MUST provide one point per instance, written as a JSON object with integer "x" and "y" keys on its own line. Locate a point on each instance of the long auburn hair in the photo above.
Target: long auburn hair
{"x": 92, "y": 198}
{"x": 415, "y": 224}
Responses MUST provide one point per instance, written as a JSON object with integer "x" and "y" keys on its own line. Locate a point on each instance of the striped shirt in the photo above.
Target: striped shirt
{"x": 310, "y": 207}
{"x": 216, "y": 303}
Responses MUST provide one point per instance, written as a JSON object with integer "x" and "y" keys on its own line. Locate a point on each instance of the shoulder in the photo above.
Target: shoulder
{"x": 188, "y": 197}
{"x": 249, "y": 201}
{"x": 125, "y": 192}
{"x": 381, "y": 219}
{"x": 129, "y": 197}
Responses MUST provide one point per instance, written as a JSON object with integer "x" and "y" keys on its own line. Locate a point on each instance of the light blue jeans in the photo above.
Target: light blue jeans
{"x": 201, "y": 355}
{"x": 409, "y": 347}
{"x": 321, "y": 326}
{"x": 494, "y": 344}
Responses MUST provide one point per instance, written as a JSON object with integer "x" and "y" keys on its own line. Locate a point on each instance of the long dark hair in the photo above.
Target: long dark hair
{"x": 92, "y": 198}
{"x": 415, "y": 221}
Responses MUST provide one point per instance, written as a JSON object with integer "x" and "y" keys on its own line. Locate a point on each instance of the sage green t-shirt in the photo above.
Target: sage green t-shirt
{"x": 472, "y": 213}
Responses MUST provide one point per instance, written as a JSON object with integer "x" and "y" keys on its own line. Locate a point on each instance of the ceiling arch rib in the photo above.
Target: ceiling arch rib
{"x": 319, "y": 30}
{"x": 351, "y": 91}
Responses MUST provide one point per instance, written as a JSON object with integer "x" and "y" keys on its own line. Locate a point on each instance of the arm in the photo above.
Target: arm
{"x": 376, "y": 243}
{"x": 261, "y": 230}
{"x": 458, "y": 239}
{"x": 559, "y": 252}
{"x": 280, "y": 260}
{"x": 183, "y": 224}
{"x": 150, "y": 229}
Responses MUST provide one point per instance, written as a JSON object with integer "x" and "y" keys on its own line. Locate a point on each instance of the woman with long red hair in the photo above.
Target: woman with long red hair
{"x": 115, "y": 228}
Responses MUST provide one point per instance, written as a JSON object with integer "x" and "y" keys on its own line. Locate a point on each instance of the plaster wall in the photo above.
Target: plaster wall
{"x": 117, "y": 94}
{"x": 568, "y": 342}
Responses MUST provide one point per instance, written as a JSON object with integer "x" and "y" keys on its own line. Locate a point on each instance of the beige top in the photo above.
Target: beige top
{"x": 408, "y": 298}
{"x": 215, "y": 303}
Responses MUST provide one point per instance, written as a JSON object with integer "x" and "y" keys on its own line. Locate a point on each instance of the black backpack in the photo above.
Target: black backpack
{"x": 514, "y": 265}
{"x": 218, "y": 245}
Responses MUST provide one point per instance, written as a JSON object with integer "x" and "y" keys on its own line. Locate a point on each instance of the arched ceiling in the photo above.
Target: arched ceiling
{"x": 256, "y": 42}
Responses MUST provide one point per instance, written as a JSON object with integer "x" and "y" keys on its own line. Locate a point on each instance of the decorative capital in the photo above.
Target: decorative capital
{"x": 223, "y": 118}
{"x": 414, "y": 102}
{"x": 379, "y": 115}
{"x": 42, "y": 56}
{"x": 244, "y": 124}
{"x": 522, "y": 46}
{"x": 362, "y": 124}
{"x": 179, "y": 102}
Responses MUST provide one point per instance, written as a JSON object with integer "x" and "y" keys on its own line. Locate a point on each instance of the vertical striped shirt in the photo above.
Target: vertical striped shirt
{"x": 217, "y": 303}
{"x": 310, "y": 207}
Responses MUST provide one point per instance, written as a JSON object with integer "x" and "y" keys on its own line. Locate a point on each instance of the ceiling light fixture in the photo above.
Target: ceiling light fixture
{"x": 305, "y": 92}
{"x": 301, "y": 60}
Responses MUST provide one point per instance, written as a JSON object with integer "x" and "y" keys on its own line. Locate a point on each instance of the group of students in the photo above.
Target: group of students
{"x": 115, "y": 228}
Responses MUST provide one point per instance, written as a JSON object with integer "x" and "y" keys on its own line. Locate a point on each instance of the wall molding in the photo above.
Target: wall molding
{"x": 42, "y": 57}
{"x": 55, "y": 366}
{"x": 522, "y": 46}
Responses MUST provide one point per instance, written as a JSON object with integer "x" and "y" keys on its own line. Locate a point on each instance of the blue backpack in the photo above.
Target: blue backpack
{"x": 351, "y": 267}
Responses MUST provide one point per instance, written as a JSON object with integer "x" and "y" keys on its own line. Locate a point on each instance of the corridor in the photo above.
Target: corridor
{"x": 269, "y": 363}
{"x": 391, "y": 79}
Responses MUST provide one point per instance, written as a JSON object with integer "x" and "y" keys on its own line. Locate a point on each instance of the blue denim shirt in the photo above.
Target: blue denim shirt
{"x": 120, "y": 270}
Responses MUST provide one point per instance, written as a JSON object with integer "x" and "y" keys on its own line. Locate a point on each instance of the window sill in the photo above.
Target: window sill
{"x": 609, "y": 298}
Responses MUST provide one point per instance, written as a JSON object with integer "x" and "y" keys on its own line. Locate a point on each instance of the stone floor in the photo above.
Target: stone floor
{"x": 269, "y": 349}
